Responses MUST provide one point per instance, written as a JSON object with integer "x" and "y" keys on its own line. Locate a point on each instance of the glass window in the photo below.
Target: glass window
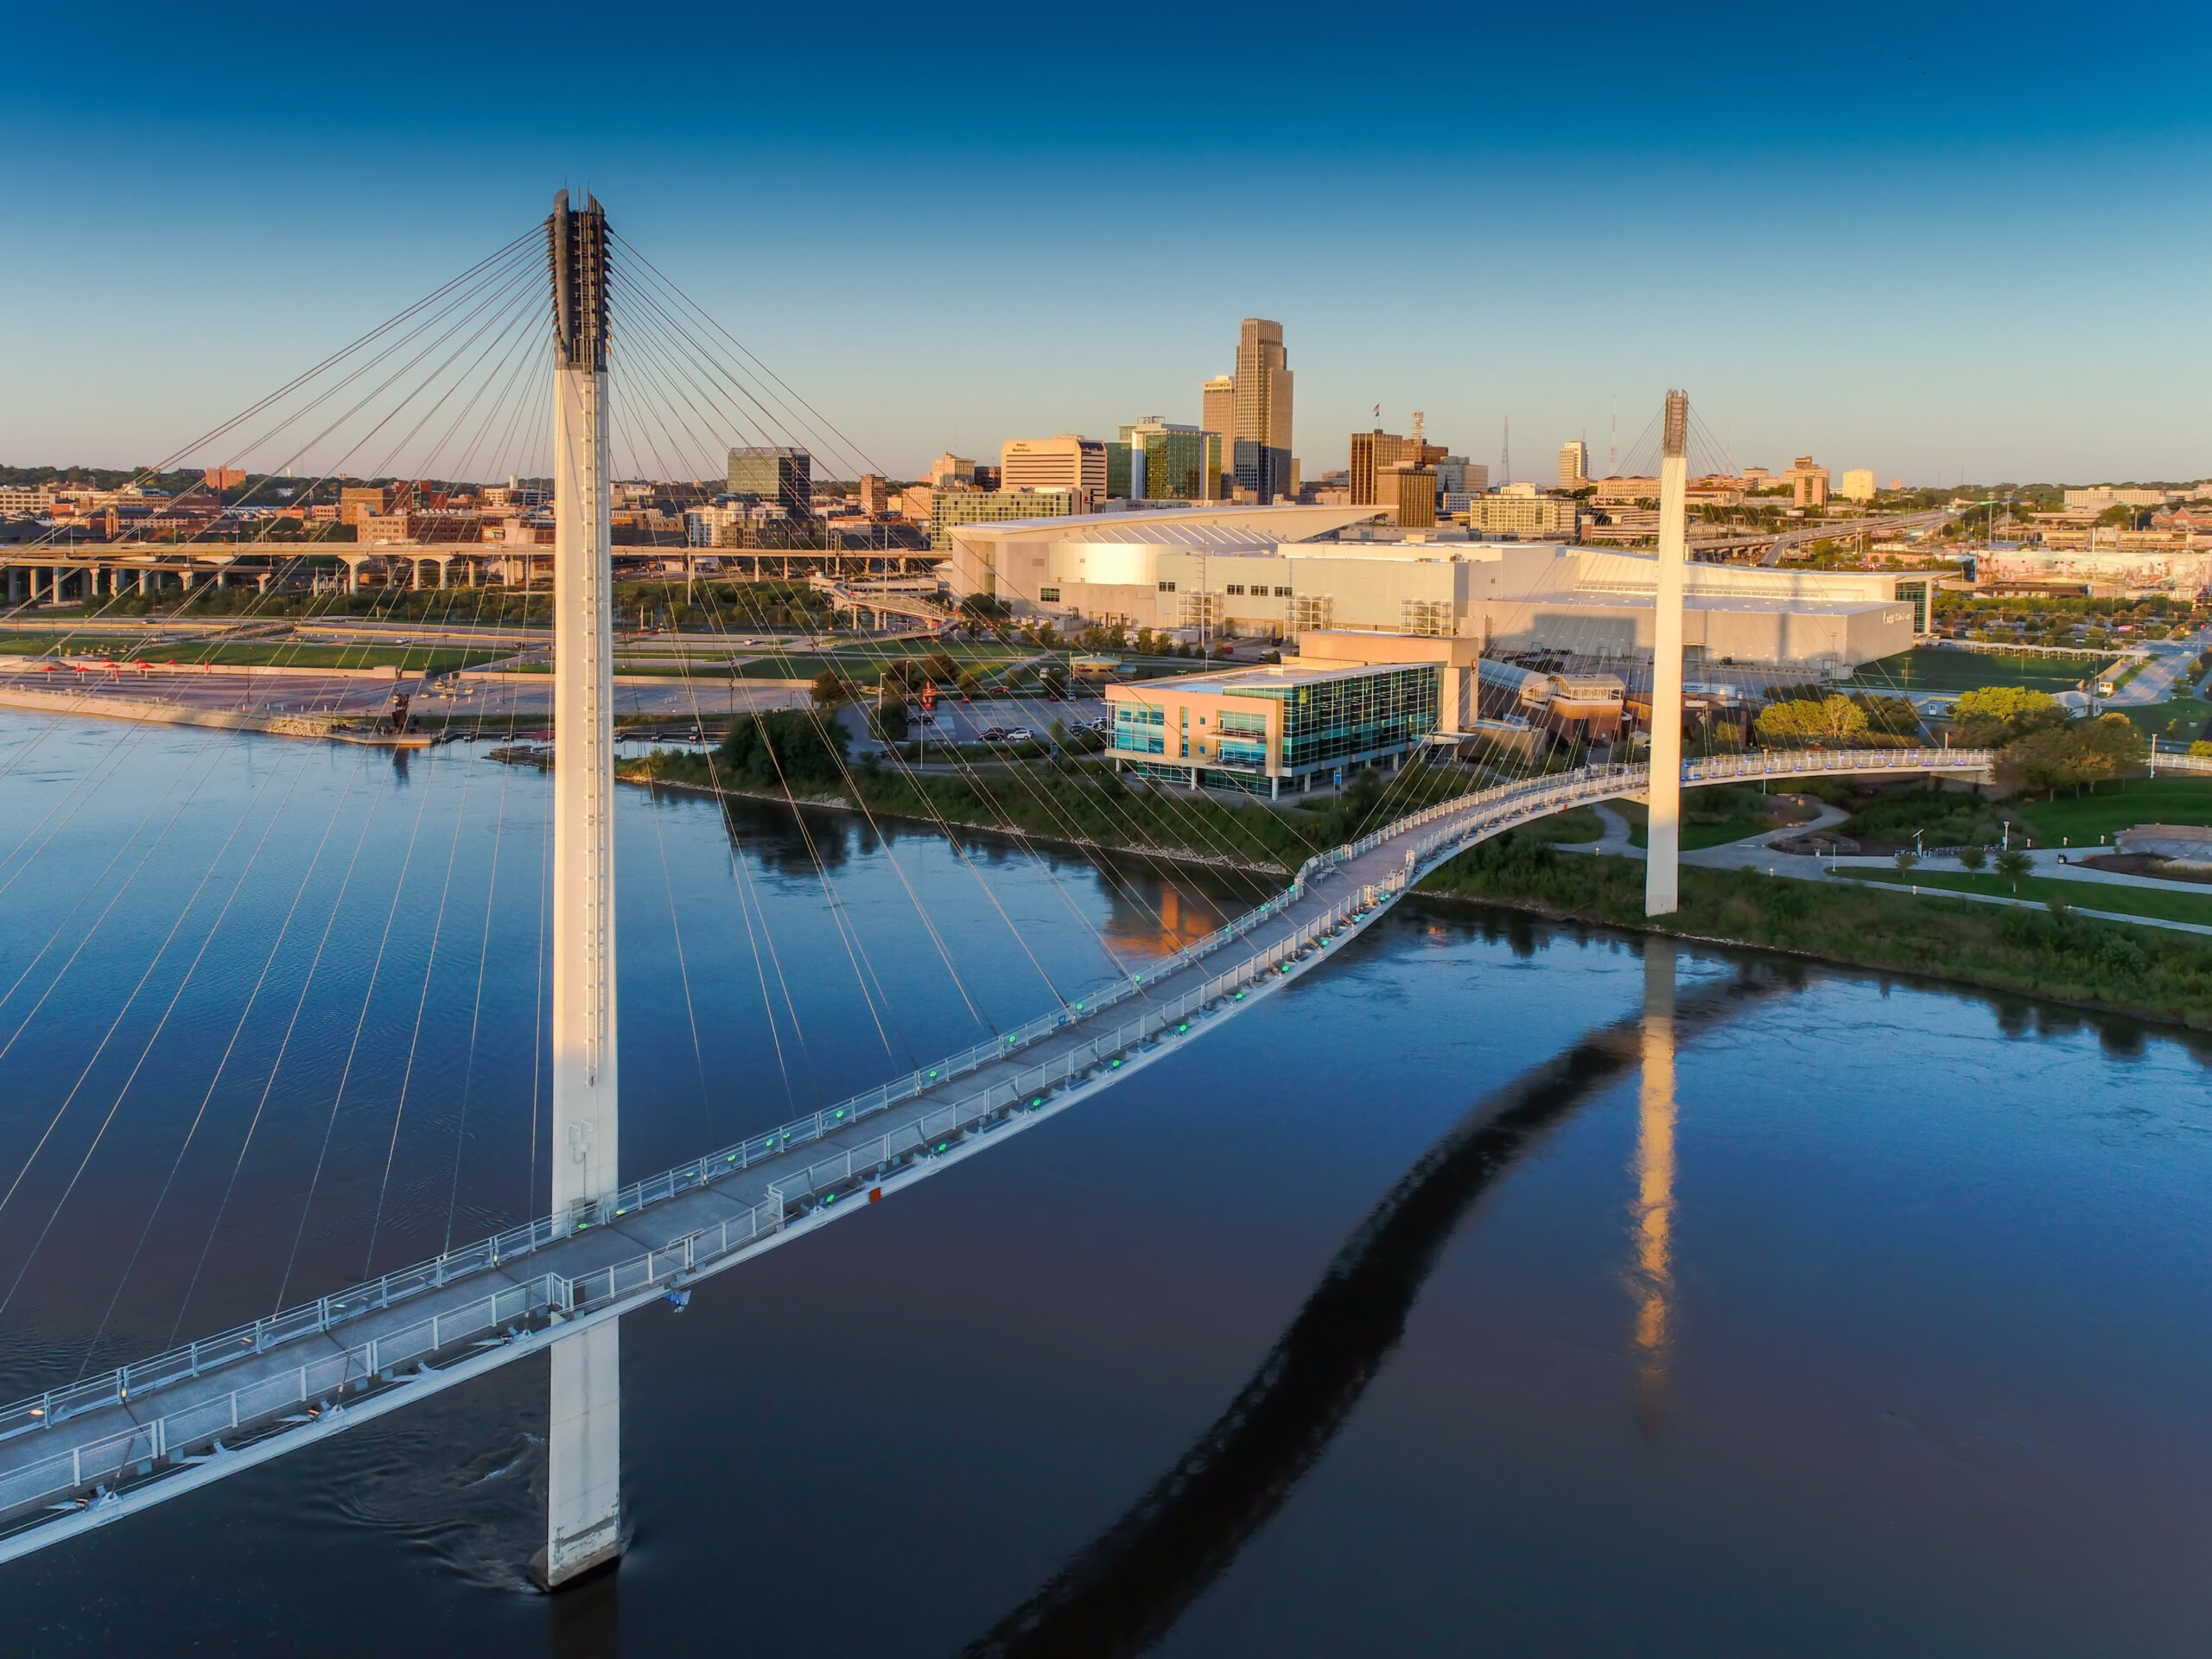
{"x": 1140, "y": 730}
{"x": 1354, "y": 718}
{"x": 1282, "y": 592}
{"x": 1048, "y": 595}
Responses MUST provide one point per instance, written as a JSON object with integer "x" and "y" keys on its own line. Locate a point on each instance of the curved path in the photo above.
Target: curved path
{"x": 80, "y": 1456}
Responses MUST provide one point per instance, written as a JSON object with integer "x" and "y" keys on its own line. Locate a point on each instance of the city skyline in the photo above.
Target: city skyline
{"x": 1890, "y": 266}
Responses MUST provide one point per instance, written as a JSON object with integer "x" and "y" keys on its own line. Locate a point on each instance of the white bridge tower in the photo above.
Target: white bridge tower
{"x": 584, "y": 1439}
{"x": 1662, "y": 856}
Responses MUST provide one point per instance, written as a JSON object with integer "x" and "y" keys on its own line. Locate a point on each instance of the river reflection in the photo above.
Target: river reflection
{"x": 1860, "y": 1316}
{"x": 1123, "y": 1592}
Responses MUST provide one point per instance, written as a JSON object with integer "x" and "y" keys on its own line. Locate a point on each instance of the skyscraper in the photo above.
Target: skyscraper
{"x": 1218, "y": 414}
{"x": 1264, "y": 409}
{"x": 1573, "y": 464}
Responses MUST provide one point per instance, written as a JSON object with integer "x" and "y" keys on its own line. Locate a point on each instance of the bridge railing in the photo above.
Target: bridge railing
{"x": 321, "y": 1383}
{"x": 1496, "y": 807}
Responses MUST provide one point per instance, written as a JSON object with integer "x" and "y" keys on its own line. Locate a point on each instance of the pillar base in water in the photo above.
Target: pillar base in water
{"x": 584, "y": 1460}
{"x": 599, "y": 1562}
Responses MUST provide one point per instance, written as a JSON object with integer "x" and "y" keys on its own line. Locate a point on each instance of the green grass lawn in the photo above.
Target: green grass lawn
{"x": 2152, "y": 718}
{"x": 87, "y": 644}
{"x": 1924, "y": 670}
{"x": 1579, "y": 824}
{"x": 2079, "y": 821}
{"x": 251, "y": 653}
{"x": 1712, "y": 817}
{"x": 2046, "y": 890}
{"x": 277, "y": 654}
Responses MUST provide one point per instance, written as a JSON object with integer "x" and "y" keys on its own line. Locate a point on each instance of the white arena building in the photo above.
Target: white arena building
{"x": 1279, "y": 572}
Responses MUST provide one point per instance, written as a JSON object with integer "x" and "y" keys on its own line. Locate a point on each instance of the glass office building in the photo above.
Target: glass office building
{"x": 1261, "y": 729}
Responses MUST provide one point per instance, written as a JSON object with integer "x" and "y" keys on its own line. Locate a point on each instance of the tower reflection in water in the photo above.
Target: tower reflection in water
{"x": 1652, "y": 1283}
{"x": 1120, "y": 1593}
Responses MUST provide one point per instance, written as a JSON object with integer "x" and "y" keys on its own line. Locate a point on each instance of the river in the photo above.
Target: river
{"x": 1858, "y": 1315}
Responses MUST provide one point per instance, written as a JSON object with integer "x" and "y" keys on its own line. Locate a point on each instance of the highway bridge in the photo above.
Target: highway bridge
{"x": 1772, "y": 544}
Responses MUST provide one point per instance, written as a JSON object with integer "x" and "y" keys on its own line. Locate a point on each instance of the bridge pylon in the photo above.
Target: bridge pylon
{"x": 1663, "y": 859}
{"x": 584, "y": 1436}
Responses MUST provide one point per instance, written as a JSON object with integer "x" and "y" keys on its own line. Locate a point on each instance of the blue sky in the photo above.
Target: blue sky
{"x": 1932, "y": 240}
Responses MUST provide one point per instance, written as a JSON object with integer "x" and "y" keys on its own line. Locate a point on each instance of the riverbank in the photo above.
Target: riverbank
{"x": 2105, "y": 967}
{"x": 1054, "y": 811}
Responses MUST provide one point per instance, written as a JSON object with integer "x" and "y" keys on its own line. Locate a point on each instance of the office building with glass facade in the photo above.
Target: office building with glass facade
{"x": 774, "y": 474}
{"x": 1257, "y": 729}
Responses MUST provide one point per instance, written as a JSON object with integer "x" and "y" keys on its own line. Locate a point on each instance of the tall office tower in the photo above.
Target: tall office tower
{"x": 1217, "y": 414}
{"x": 1066, "y": 462}
{"x": 1573, "y": 464}
{"x": 875, "y": 494}
{"x": 1264, "y": 409}
{"x": 779, "y": 476}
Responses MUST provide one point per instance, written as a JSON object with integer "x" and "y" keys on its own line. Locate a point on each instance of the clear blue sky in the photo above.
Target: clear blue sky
{"x": 1923, "y": 239}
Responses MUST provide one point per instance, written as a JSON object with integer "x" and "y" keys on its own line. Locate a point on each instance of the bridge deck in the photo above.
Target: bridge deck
{"x": 79, "y": 1456}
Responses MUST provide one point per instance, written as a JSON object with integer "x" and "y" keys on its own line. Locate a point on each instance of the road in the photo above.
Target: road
{"x": 2164, "y": 676}
{"x": 1884, "y": 524}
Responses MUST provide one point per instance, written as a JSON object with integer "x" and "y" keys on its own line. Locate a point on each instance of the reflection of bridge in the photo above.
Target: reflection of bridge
{"x": 78, "y": 1457}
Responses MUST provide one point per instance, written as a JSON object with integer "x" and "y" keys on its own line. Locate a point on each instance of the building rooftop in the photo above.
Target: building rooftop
{"x": 1262, "y": 680}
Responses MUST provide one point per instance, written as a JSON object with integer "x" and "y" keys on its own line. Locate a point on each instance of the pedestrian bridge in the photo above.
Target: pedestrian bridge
{"x": 80, "y": 1456}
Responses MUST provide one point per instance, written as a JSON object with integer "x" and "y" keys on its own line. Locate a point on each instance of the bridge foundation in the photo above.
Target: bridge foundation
{"x": 584, "y": 1437}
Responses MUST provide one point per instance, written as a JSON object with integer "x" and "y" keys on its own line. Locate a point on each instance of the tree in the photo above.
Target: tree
{"x": 1974, "y": 858}
{"x": 1894, "y": 716}
{"x": 2088, "y": 752}
{"x": 2042, "y": 760}
{"x": 1906, "y": 859}
{"x": 1994, "y": 716}
{"x": 2013, "y": 865}
{"x": 831, "y": 688}
{"x": 2107, "y": 747}
{"x": 1832, "y": 719}
{"x": 891, "y": 719}
{"x": 784, "y": 749}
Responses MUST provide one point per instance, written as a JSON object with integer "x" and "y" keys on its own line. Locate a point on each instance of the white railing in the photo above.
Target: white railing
{"x": 321, "y": 1383}
{"x": 1471, "y": 817}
